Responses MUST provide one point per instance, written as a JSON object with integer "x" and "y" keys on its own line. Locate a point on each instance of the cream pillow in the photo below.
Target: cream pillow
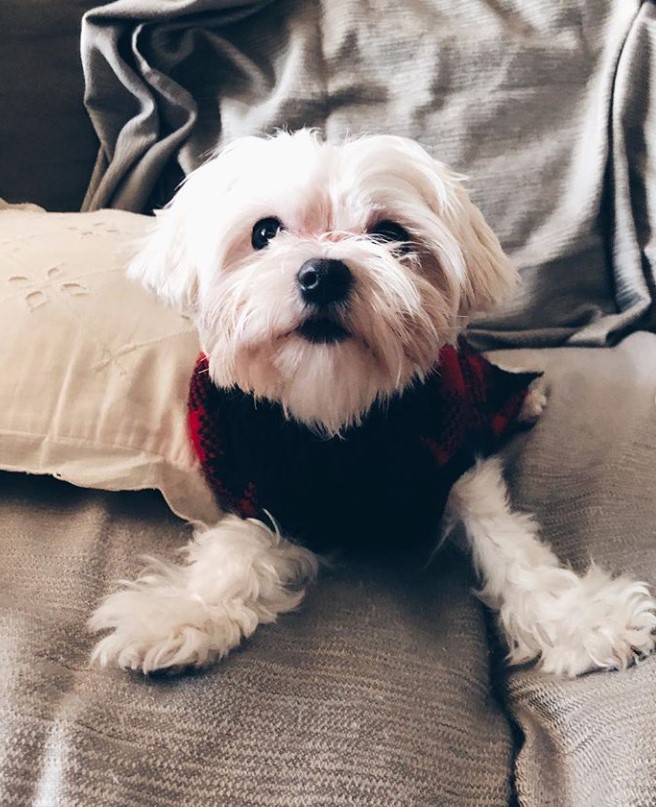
{"x": 94, "y": 370}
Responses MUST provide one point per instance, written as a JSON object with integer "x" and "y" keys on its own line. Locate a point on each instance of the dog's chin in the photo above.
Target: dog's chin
{"x": 322, "y": 371}
{"x": 320, "y": 374}
{"x": 328, "y": 377}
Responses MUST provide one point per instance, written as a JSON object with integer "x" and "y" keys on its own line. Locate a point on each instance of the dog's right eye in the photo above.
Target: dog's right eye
{"x": 264, "y": 230}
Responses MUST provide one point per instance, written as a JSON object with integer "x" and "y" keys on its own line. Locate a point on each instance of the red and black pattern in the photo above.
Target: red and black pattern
{"x": 234, "y": 496}
{"x": 384, "y": 482}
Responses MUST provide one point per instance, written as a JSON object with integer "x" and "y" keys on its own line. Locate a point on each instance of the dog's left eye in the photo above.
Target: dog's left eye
{"x": 390, "y": 232}
{"x": 264, "y": 230}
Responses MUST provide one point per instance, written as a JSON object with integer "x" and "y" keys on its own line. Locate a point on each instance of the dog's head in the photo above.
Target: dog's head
{"x": 324, "y": 277}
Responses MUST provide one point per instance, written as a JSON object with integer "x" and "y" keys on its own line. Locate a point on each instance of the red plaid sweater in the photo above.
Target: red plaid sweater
{"x": 383, "y": 483}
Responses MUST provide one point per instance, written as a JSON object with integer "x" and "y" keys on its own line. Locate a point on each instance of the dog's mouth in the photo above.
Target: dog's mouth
{"x": 322, "y": 331}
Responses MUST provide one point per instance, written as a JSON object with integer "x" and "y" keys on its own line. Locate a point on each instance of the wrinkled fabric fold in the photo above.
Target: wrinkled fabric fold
{"x": 141, "y": 113}
{"x": 633, "y": 171}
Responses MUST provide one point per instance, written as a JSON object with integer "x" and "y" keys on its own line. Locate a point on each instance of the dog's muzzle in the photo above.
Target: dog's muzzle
{"x": 324, "y": 284}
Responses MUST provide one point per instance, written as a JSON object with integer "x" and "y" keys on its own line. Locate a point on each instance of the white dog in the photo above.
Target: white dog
{"x": 326, "y": 283}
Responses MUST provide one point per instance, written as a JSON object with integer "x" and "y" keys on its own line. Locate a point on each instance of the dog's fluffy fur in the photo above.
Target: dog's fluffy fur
{"x": 404, "y": 306}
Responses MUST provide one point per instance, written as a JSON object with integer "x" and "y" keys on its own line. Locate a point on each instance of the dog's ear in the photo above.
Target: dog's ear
{"x": 490, "y": 276}
{"x": 164, "y": 263}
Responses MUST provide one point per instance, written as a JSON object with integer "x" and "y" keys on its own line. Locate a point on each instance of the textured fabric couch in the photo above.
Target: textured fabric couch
{"x": 389, "y": 686}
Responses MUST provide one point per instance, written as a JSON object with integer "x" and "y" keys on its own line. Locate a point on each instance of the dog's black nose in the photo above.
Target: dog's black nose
{"x": 323, "y": 281}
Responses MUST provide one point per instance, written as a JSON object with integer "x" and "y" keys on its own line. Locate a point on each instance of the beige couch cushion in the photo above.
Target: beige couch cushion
{"x": 93, "y": 370}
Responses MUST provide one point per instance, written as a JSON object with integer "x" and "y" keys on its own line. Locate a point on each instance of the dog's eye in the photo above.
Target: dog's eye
{"x": 264, "y": 230}
{"x": 390, "y": 232}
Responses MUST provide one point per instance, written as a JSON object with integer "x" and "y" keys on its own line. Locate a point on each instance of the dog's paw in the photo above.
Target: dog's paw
{"x": 584, "y": 624}
{"x": 152, "y": 630}
{"x": 535, "y": 401}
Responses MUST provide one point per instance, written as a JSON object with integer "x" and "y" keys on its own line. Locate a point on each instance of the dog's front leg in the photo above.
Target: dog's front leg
{"x": 571, "y": 624}
{"x": 235, "y": 576}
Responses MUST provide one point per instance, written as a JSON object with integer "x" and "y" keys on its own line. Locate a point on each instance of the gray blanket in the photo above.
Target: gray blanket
{"x": 533, "y": 100}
